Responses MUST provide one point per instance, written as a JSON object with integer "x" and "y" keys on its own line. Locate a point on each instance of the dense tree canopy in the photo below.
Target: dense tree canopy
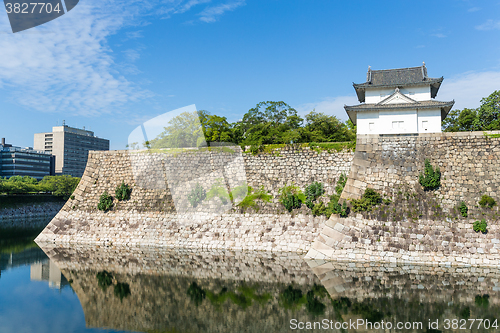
{"x": 267, "y": 123}
{"x": 484, "y": 118}
{"x": 60, "y": 186}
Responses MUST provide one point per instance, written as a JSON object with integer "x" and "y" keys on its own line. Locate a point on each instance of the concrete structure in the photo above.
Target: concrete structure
{"x": 70, "y": 146}
{"x": 17, "y": 161}
{"x": 398, "y": 101}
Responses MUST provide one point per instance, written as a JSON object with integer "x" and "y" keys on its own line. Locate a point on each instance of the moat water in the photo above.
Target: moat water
{"x": 95, "y": 289}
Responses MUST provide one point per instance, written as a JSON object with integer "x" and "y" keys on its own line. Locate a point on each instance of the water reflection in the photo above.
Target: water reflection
{"x": 146, "y": 289}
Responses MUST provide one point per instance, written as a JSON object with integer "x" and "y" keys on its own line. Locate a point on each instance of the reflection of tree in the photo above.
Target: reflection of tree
{"x": 293, "y": 299}
{"x": 243, "y": 298}
{"x": 196, "y": 294}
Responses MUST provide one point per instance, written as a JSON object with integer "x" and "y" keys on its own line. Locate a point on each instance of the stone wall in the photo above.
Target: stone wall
{"x": 421, "y": 242}
{"x": 158, "y": 212}
{"x": 468, "y": 161}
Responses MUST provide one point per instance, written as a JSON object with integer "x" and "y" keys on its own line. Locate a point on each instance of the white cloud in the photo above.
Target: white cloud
{"x": 331, "y": 106}
{"x": 489, "y": 25}
{"x": 132, "y": 54}
{"x": 469, "y": 88}
{"x": 473, "y": 9}
{"x": 439, "y": 35}
{"x": 134, "y": 34}
{"x": 187, "y": 6}
{"x": 210, "y": 14}
{"x": 66, "y": 65}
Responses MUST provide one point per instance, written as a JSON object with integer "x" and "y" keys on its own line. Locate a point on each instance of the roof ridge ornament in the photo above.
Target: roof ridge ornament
{"x": 369, "y": 74}
{"x": 424, "y": 71}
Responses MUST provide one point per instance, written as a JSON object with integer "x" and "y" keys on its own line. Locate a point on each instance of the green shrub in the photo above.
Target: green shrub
{"x": 369, "y": 199}
{"x": 291, "y": 197}
{"x": 319, "y": 209}
{"x": 219, "y": 190}
{"x": 336, "y": 208}
{"x": 197, "y": 195}
{"x": 313, "y": 191}
{"x": 341, "y": 183}
{"x": 122, "y": 192}
{"x": 480, "y": 226}
{"x": 431, "y": 178}
{"x": 463, "y": 209}
{"x": 333, "y": 207}
{"x": 372, "y": 197}
{"x": 291, "y": 298}
{"x": 486, "y": 200}
{"x": 105, "y": 202}
{"x": 249, "y": 200}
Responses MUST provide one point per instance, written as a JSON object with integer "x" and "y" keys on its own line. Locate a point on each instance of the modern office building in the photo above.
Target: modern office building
{"x": 17, "y": 161}
{"x": 70, "y": 146}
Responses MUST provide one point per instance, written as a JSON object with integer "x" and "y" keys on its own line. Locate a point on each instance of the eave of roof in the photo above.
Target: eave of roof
{"x": 435, "y": 83}
{"x": 354, "y": 109}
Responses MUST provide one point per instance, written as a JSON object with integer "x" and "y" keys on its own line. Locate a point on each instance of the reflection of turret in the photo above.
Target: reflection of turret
{"x": 48, "y": 271}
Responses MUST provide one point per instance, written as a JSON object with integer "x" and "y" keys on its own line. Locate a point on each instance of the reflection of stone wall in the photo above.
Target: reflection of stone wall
{"x": 159, "y": 281}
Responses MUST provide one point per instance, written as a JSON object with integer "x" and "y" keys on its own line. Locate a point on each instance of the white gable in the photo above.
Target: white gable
{"x": 397, "y": 98}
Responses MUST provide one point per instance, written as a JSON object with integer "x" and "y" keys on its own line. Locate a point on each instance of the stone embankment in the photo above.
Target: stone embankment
{"x": 421, "y": 242}
{"x": 159, "y": 213}
{"x": 45, "y": 210}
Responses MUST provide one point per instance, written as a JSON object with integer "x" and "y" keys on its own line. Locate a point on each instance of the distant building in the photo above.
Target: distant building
{"x": 17, "y": 161}
{"x": 398, "y": 101}
{"x": 70, "y": 146}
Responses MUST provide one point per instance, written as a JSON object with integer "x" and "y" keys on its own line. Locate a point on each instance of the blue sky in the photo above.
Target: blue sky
{"x": 111, "y": 65}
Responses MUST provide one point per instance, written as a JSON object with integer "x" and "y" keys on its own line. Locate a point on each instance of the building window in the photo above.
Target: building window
{"x": 425, "y": 125}
{"x": 371, "y": 126}
{"x": 397, "y": 124}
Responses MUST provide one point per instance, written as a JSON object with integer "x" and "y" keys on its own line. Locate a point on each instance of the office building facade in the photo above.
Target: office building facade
{"x": 70, "y": 146}
{"x": 17, "y": 161}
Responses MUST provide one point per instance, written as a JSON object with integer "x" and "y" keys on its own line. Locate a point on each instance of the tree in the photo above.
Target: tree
{"x": 484, "y": 118}
{"x": 184, "y": 130}
{"x": 462, "y": 120}
{"x": 215, "y": 128}
{"x": 324, "y": 128}
{"x": 489, "y": 112}
{"x": 269, "y": 123}
{"x": 60, "y": 186}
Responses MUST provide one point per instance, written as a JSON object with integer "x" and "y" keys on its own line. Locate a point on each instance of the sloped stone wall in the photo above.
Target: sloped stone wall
{"x": 421, "y": 242}
{"x": 158, "y": 212}
{"x": 468, "y": 161}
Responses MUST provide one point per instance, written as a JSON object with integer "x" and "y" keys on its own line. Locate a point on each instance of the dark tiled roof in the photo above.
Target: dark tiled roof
{"x": 444, "y": 106}
{"x": 399, "y": 77}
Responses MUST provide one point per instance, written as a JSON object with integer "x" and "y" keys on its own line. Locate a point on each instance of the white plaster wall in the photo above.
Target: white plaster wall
{"x": 412, "y": 122}
{"x": 363, "y": 122}
{"x": 407, "y": 117}
{"x": 433, "y": 118}
{"x": 372, "y": 96}
{"x": 418, "y": 93}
